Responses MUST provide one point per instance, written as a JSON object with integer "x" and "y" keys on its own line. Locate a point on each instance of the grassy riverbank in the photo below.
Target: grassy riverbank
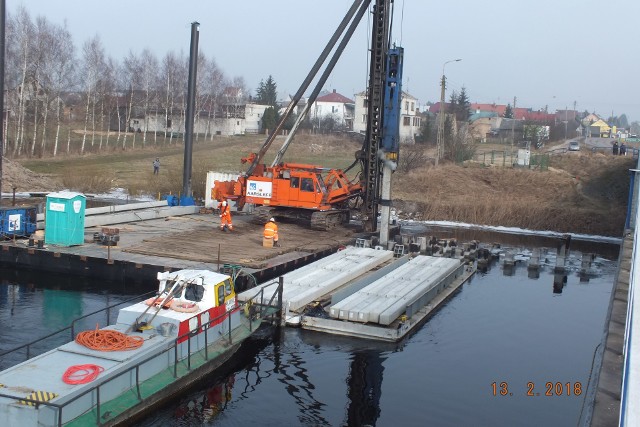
{"x": 581, "y": 192}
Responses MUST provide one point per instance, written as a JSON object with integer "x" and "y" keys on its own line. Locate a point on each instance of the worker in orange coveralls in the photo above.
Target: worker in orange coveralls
{"x": 271, "y": 231}
{"x": 225, "y": 216}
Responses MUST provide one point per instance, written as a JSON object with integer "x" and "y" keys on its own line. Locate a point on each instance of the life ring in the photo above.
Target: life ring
{"x": 184, "y": 307}
{"x": 158, "y": 300}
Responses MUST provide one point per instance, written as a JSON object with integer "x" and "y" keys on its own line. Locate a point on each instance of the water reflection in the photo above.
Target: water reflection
{"x": 559, "y": 282}
{"x": 560, "y": 260}
{"x": 364, "y": 388}
{"x": 207, "y": 405}
{"x": 293, "y": 374}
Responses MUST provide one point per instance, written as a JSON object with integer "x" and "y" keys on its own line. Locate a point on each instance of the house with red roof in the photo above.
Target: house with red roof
{"x": 334, "y": 105}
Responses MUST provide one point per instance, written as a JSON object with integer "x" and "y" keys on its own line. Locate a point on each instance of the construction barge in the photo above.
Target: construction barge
{"x": 367, "y": 293}
{"x": 131, "y": 244}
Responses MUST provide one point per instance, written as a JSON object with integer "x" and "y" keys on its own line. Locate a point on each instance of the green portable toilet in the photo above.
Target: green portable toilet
{"x": 64, "y": 219}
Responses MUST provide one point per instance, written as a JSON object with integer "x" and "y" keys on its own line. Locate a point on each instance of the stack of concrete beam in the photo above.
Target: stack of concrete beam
{"x": 387, "y": 298}
{"x": 119, "y": 214}
{"x": 312, "y": 282}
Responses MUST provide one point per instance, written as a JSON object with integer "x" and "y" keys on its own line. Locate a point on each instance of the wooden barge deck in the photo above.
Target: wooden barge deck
{"x": 149, "y": 246}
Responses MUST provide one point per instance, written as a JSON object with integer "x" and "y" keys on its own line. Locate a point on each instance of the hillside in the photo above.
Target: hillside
{"x": 14, "y": 175}
{"x": 580, "y": 193}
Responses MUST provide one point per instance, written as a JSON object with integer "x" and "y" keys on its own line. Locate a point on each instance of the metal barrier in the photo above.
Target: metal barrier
{"x": 71, "y": 327}
{"x": 507, "y": 158}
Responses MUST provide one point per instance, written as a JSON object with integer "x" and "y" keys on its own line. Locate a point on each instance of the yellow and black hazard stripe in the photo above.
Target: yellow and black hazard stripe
{"x": 38, "y": 396}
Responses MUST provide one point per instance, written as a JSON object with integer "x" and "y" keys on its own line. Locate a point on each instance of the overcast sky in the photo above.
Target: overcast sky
{"x": 546, "y": 53}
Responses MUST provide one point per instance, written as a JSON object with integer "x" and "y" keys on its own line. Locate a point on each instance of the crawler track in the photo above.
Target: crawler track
{"x": 316, "y": 220}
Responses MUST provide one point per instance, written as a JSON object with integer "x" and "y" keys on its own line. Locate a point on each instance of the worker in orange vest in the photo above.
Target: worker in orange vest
{"x": 271, "y": 231}
{"x": 225, "y": 216}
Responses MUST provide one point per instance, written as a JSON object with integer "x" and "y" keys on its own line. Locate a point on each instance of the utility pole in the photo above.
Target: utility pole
{"x": 440, "y": 137}
{"x": 513, "y": 125}
{"x": 566, "y": 120}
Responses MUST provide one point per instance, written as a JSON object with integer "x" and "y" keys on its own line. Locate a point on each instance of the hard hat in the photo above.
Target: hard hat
{"x": 224, "y": 203}
{"x": 272, "y": 220}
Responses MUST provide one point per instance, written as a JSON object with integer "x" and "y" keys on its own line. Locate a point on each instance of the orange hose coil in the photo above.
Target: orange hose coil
{"x": 108, "y": 340}
{"x": 82, "y": 374}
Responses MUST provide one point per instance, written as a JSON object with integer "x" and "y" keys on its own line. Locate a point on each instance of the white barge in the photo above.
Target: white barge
{"x": 367, "y": 293}
{"x": 166, "y": 343}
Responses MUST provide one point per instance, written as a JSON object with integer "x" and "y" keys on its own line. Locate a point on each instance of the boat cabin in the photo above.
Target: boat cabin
{"x": 186, "y": 300}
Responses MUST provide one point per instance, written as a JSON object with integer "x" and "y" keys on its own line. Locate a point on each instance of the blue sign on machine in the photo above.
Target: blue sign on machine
{"x": 18, "y": 221}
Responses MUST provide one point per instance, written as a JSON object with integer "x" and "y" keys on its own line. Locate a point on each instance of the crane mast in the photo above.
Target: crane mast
{"x": 371, "y": 163}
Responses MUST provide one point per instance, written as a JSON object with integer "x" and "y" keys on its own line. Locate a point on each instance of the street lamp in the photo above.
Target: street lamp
{"x": 440, "y": 140}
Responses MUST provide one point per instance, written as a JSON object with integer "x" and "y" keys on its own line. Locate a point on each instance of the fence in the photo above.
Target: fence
{"x": 507, "y": 158}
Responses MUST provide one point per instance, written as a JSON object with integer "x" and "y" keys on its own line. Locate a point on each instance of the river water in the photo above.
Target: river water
{"x": 508, "y": 349}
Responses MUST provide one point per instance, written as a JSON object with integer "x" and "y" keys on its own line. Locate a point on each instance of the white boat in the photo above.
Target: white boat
{"x": 189, "y": 329}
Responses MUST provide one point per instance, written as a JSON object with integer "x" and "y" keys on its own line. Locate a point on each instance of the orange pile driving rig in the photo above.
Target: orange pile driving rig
{"x": 294, "y": 191}
{"x": 322, "y": 196}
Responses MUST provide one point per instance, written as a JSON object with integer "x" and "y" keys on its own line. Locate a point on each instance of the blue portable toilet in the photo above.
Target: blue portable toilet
{"x": 64, "y": 219}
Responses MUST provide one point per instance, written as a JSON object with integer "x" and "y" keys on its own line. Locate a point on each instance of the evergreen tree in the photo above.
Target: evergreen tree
{"x": 269, "y": 119}
{"x": 463, "y": 106}
{"x": 453, "y": 100}
{"x": 508, "y": 112}
{"x": 267, "y": 93}
{"x": 623, "y": 122}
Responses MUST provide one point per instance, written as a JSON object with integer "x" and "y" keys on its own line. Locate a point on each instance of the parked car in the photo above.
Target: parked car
{"x": 574, "y": 146}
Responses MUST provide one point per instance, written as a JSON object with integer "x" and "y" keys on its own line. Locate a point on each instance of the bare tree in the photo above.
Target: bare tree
{"x": 22, "y": 30}
{"x": 460, "y": 146}
{"x": 109, "y": 94}
{"x": 93, "y": 64}
{"x": 62, "y": 75}
{"x": 174, "y": 76}
{"x": 168, "y": 76}
{"x": 412, "y": 157}
{"x": 149, "y": 68}
{"x": 212, "y": 91}
{"x": 201, "y": 92}
{"x": 53, "y": 53}
{"x": 131, "y": 71}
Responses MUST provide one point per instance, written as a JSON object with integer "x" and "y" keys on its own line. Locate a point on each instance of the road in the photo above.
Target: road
{"x": 600, "y": 145}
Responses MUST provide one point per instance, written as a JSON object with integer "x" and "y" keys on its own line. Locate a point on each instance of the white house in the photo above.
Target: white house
{"x": 333, "y": 105}
{"x": 409, "y": 119}
{"x": 297, "y": 109}
{"x": 226, "y": 120}
{"x": 253, "y": 114}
